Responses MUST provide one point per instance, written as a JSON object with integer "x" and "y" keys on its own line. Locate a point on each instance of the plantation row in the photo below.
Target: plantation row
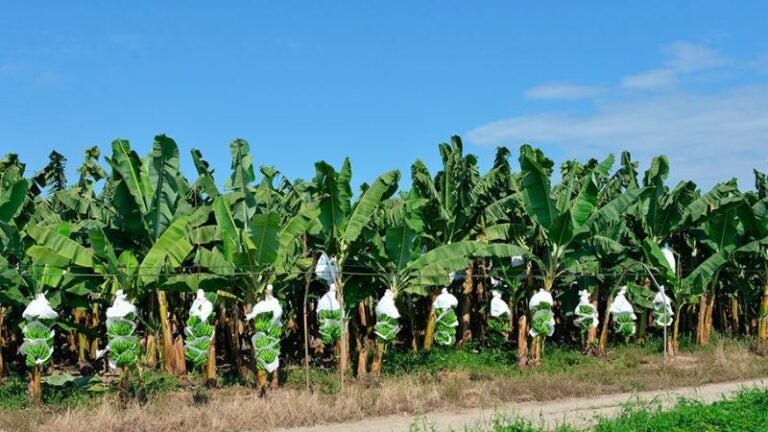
{"x": 136, "y": 264}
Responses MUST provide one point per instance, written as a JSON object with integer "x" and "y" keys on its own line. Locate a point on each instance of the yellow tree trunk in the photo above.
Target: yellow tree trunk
{"x": 377, "y": 360}
{"x": 210, "y": 365}
{"x": 36, "y": 386}
{"x": 522, "y": 342}
{"x": 589, "y": 343}
{"x": 702, "y": 318}
{"x": 2, "y": 340}
{"x": 465, "y": 333}
{"x": 762, "y": 326}
{"x": 603, "y": 344}
{"x": 169, "y": 354}
{"x": 429, "y": 333}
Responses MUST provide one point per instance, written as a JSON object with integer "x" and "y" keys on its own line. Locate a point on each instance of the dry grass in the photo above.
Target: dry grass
{"x": 237, "y": 408}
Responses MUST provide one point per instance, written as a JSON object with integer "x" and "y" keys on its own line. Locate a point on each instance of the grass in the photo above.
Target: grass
{"x": 412, "y": 383}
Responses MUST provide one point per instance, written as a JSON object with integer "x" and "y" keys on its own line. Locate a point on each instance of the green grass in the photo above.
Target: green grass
{"x": 746, "y": 412}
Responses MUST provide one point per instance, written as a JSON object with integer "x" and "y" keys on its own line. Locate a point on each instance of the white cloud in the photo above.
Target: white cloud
{"x": 682, "y": 58}
{"x": 651, "y": 80}
{"x": 562, "y": 90}
{"x": 708, "y": 138}
{"x": 690, "y": 57}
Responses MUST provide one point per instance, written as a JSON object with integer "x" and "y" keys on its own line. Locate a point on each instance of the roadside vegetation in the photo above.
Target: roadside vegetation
{"x": 746, "y": 412}
{"x": 442, "y": 380}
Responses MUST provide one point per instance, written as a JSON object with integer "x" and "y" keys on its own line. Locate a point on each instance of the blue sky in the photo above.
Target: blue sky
{"x": 384, "y": 83}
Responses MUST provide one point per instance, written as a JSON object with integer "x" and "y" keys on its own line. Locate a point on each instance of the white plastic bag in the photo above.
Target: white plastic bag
{"x": 623, "y": 314}
{"x": 269, "y": 304}
{"x": 328, "y": 301}
{"x": 586, "y": 313}
{"x": 266, "y": 340}
{"x": 123, "y": 344}
{"x": 201, "y": 307}
{"x": 445, "y": 300}
{"x": 662, "y": 309}
{"x": 670, "y": 257}
{"x": 498, "y": 306}
{"x": 543, "y": 320}
{"x": 446, "y": 320}
{"x": 121, "y": 307}
{"x": 38, "y": 335}
{"x": 386, "y": 327}
{"x": 39, "y": 308}
{"x": 330, "y": 316}
{"x": 327, "y": 268}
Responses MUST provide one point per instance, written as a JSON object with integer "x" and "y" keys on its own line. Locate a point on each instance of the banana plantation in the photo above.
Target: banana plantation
{"x": 133, "y": 266}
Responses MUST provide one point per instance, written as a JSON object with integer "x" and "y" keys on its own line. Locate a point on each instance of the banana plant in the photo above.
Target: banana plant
{"x": 461, "y": 204}
{"x": 753, "y": 217}
{"x": 342, "y": 223}
{"x": 153, "y": 221}
{"x": 567, "y": 218}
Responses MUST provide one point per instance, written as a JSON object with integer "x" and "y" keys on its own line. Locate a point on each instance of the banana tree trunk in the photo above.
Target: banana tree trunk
{"x": 377, "y": 360}
{"x": 94, "y": 324}
{"x": 642, "y": 326}
{"x": 261, "y": 376}
{"x": 343, "y": 345}
{"x": 210, "y": 365}
{"x": 123, "y": 388}
{"x": 762, "y": 327}
{"x": 702, "y": 318}
{"x": 36, "y": 386}
{"x": 673, "y": 343}
{"x": 169, "y": 355}
{"x": 151, "y": 348}
{"x": 603, "y": 345}
{"x": 735, "y": 325}
{"x": 180, "y": 359}
{"x": 2, "y": 341}
{"x": 363, "y": 341}
{"x": 81, "y": 318}
{"x": 522, "y": 342}
{"x": 231, "y": 321}
{"x": 465, "y": 306}
{"x": 429, "y": 333}
{"x": 305, "y": 313}
{"x": 590, "y": 342}
{"x": 708, "y": 318}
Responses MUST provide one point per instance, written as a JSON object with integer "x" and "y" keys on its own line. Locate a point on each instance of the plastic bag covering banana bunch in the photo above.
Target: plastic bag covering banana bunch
{"x": 662, "y": 310}
{"x": 586, "y": 313}
{"x": 543, "y": 320}
{"x": 623, "y": 314}
{"x": 499, "y": 320}
{"x": 199, "y": 331}
{"x": 38, "y": 335}
{"x": 446, "y": 320}
{"x": 386, "y": 318}
{"x": 670, "y": 257}
{"x": 123, "y": 344}
{"x": 330, "y": 316}
{"x": 327, "y": 268}
{"x": 267, "y": 327}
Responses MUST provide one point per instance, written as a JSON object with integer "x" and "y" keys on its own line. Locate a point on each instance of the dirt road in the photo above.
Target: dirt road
{"x": 577, "y": 412}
